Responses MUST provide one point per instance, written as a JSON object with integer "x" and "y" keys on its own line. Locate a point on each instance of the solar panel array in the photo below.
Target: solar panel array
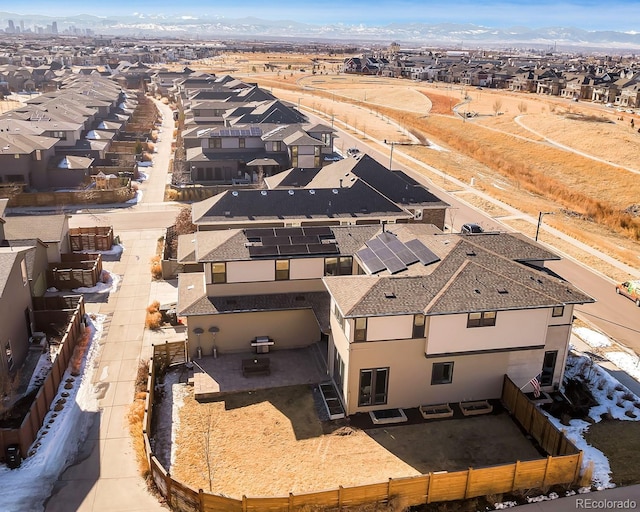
{"x": 270, "y": 242}
{"x": 254, "y": 131}
{"x": 387, "y": 252}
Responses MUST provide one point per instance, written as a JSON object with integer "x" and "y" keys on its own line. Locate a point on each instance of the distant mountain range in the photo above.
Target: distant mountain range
{"x": 445, "y": 34}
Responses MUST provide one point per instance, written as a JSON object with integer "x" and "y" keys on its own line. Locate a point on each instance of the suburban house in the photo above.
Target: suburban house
{"x": 405, "y": 314}
{"x": 52, "y": 230}
{"x": 16, "y": 310}
{"x": 263, "y": 281}
{"x": 449, "y": 326}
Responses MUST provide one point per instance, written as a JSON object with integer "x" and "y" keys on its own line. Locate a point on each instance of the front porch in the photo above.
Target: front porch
{"x": 213, "y": 377}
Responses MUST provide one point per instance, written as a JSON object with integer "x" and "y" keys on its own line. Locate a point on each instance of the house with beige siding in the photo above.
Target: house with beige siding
{"x": 450, "y": 325}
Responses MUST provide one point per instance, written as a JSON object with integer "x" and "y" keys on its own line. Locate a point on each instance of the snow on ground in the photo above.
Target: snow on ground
{"x": 59, "y": 440}
{"x": 116, "y": 250}
{"x": 592, "y": 338}
{"x": 109, "y": 283}
{"x": 629, "y": 363}
{"x": 137, "y": 199}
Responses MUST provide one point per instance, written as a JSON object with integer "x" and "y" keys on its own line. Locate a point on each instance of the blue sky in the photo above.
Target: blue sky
{"x": 620, "y": 15}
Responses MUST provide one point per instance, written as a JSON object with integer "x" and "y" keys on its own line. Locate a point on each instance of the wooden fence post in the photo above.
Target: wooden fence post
{"x": 429, "y": 487}
{"x": 546, "y": 470}
{"x": 244, "y": 503}
{"x": 389, "y": 490}
{"x": 576, "y": 475}
{"x": 167, "y": 482}
{"x": 201, "y": 499}
{"x": 515, "y": 475}
{"x": 290, "y": 501}
{"x": 468, "y": 486}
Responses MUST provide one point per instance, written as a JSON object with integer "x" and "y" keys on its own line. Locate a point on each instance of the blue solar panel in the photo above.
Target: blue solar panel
{"x": 370, "y": 261}
{"x": 424, "y": 254}
{"x": 399, "y": 249}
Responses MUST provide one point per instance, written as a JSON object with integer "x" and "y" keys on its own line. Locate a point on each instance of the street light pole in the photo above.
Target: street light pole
{"x": 391, "y": 156}
{"x": 540, "y": 215}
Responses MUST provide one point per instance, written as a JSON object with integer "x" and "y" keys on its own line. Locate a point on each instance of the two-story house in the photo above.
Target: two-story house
{"x": 446, "y": 324}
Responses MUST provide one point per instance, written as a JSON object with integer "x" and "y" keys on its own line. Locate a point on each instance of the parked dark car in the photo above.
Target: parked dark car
{"x": 471, "y": 229}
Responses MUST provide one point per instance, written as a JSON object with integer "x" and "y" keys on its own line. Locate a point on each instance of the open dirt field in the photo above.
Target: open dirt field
{"x": 271, "y": 442}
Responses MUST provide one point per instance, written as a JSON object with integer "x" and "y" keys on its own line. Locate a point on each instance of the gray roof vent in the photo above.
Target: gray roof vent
{"x": 312, "y": 191}
{"x": 234, "y": 193}
{"x": 389, "y": 295}
{"x": 335, "y": 190}
{"x": 263, "y": 192}
{"x": 291, "y": 192}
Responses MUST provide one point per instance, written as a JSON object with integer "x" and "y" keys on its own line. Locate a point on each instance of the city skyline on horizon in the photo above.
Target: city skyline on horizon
{"x": 619, "y": 16}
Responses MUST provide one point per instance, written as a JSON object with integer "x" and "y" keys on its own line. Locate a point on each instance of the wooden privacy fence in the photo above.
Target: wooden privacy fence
{"x": 25, "y": 435}
{"x": 74, "y": 271}
{"x": 96, "y": 238}
{"x": 405, "y": 492}
{"x": 534, "y": 421}
{"x": 118, "y": 195}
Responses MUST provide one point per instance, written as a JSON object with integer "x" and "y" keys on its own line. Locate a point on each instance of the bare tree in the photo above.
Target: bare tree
{"x": 208, "y": 426}
{"x": 497, "y": 106}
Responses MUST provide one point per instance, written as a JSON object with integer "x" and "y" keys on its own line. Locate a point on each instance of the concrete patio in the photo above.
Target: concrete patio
{"x": 214, "y": 377}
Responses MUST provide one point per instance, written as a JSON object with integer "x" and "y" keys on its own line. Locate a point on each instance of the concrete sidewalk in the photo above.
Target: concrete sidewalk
{"x": 107, "y": 476}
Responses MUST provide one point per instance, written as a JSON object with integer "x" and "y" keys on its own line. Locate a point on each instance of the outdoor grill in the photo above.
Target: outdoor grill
{"x": 262, "y": 344}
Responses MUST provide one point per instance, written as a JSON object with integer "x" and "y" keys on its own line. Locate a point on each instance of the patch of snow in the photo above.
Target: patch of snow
{"x": 137, "y": 199}
{"x": 629, "y": 363}
{"x": 145, "y": 164}
{"x": 537, "y": 499}
{"x": 115, "y": 250}
{"x": 435, "y": 147}
{"x": 60, "y": 438}
{"x": 142, "y": 176}
{"x": 592, "y": 338}
{"x": 505, "y": 504}
{"x": 109, "y": 283}
{"x": 53, "y": 289}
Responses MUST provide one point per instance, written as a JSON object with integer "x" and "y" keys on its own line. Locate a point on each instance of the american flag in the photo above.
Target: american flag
{"x": 535, "y": 382}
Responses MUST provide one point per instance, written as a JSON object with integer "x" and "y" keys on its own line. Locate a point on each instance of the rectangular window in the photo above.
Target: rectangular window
{"x": 294, "y": 151}
{"x": 316, "y": 150}
{"x": 442, "y": 373}
{"x": 374, "y": 385}
{"x": 282, "y": 270}
{"x": 241, "y": 142}
{"x": 481, "y": 319}
{"x": 558, "y": 311}
{"x": 316, "y": 161}
{"x": 339, "y": 317}
{"x": 219, "y": 273}
{"x": 338, "y": 370}
{"x": 276, "y": 145}
{"x": 418, "y": 326}
{"x": 342, "y": 266}
{"x": 548, "y": 367}
{"x": 23, "y": 270}
{"x": 196, "y": 113}
{"x": 215, "y": 142}
{"x": 360, "y": 331}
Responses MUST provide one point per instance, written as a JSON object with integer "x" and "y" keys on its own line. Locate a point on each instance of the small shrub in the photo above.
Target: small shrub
{"x": 156, "y": 268}
{"x": 153, "y": 320}
{"x": 586, "y": 476}
{"x": 135, "y": 418}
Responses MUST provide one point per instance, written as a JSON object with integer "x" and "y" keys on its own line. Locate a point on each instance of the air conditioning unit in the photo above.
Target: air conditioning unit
{"x": 417, "y": 215}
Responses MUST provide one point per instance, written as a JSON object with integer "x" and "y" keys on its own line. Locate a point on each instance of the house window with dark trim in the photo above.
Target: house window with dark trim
{"x": 360, "y": 329}
{"x": 418, "y": 326}
{"x": 338, "y": 315}
{"x": 374, "y": 385}
{"x": 219, "y": 273}
{"x": 342, "y": 266}
{"x": 548, "y": 367}
{"x": 241, "y": 142}
{"x": 558, "y": 311}
{"x": 276, "y": 145}
{"x": 338, "y": 370}
{"x": 481, "y": 319}
{"x": 442, "y": 373}
{"x": 282, "y": 270}
{"x": 215, "y": 142}
{"x": 196, "y": 113}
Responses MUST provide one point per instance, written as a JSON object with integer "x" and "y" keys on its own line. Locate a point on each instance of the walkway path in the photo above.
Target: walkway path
{"x": 107, "y": 478}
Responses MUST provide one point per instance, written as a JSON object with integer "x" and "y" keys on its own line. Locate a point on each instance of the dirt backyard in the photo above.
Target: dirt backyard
{"x": 271, "y": 442}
